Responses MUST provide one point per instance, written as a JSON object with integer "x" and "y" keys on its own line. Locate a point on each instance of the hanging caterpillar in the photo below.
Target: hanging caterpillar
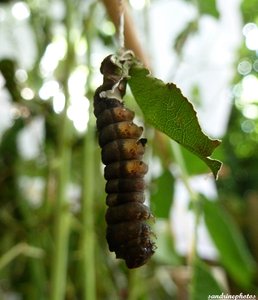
{"x": 128, "y": 234}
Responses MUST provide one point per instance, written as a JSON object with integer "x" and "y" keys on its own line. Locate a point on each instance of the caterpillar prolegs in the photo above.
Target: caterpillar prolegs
{"x": 128, "y": 234}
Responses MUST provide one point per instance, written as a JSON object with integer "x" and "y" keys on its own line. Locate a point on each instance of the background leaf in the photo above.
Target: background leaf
{"x": 183, "y": 36}
{"x": 203, "y": 283}
{"x": 208, "y": 7}
{"x": 230, "y": 244}
{"x": 168, "y": 110}
{"x": 160, "y": 201}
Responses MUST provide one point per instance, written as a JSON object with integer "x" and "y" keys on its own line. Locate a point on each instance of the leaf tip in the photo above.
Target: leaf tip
{"x": 216, "y": 143}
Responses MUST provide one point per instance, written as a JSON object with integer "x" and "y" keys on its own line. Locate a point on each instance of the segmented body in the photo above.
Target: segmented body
{"x": 128, "y": 234}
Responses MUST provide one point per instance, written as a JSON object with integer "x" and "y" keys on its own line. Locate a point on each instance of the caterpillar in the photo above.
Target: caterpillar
{"x": 128, "y": 233}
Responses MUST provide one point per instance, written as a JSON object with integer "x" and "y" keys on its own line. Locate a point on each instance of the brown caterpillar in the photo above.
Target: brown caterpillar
{"x": 128, "y": 234}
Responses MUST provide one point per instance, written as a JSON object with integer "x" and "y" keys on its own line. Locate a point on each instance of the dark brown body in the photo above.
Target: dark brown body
{"x": 128, "y": 234}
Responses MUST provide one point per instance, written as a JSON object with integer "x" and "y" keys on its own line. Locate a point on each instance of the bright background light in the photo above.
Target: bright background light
{"x": 77, "y": 81}
{"x": 20, "y": 11}
{"x": 137, "y": 4}
{"x": 49, "y": 89}
{"x": 250, "y": 31}
{"x": 78, "y": 112}
{"x": 58, "y": 102}
{"x": 27, "y": 93}
{"x": 249, "y": 89}
{"x": 55, "y": 52}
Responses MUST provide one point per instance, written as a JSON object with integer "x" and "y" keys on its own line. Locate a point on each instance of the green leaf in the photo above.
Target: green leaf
{"x": 249, "y": 11}
{"x": 160, "y": 201}
{"x": 203, "y": 282}
{"x": 190, "y": 28}
{"x": 233, "y": 251}
{"x": 164, "y": 106}
{"x": 208, "y": 7}
{"x": 197, "y": 166}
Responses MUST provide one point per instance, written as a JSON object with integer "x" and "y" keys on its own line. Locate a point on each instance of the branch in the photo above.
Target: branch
{"x": 132, "y": 42}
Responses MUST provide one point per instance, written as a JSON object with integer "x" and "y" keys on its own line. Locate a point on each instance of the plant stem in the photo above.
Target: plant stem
{"x": 62, "y": 225}
{"x": 60, "y": 255}
{"x": 63, "y": 216}
{"x": 195, "y": 199}
{"x": 88, "y": 183}
{"x": 133, "y": 284}
{"x": 88, "y": 244}
{"x": 184, "y": 174}
{"x": 197, "y": 217}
